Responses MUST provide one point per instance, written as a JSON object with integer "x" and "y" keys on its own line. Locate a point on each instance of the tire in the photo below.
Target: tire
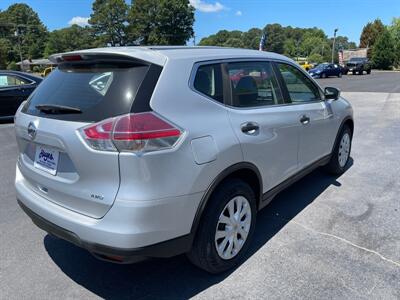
{"x": 354, "y": 72}
{"x": 368, "y": 71}
{"x": 337, "y": 165}
{"x": 346, "y": 72}
{"x": 340, "y": 75}
{"x": 204, "y": 253}
{"x": 323, "y": 75}
{"x": 360, "y": 72}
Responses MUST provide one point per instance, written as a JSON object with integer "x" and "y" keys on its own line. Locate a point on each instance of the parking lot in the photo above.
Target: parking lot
{"x": 324, "y": 237}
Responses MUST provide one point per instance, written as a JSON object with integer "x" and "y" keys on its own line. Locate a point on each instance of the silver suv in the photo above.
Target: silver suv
{"x": 153, "y": 152}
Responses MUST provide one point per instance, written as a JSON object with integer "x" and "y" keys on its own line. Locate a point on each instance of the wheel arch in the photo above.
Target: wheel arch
{"x": 347, "y": 121}
{"x": 246, "y": 171}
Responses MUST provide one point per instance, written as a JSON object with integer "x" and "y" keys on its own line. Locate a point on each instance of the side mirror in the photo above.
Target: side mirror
{"x": 331, "y": 93}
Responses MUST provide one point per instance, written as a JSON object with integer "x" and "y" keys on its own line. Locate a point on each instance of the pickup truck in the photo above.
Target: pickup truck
{"x": 358, "y": 65}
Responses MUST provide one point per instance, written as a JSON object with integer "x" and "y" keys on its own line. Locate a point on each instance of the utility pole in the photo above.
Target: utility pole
{"x": 334, "y": 41}
{"x": 16, "y": 33}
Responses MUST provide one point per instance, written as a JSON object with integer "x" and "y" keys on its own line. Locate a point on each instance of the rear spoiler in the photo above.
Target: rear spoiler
{"x": 76, "y": 57}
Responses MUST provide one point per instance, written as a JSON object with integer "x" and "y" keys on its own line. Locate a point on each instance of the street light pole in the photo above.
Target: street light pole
{"x": 333, "y": 46}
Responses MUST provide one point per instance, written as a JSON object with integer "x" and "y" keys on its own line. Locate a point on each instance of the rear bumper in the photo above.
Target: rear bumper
{"x": 153, "y": 228}
{"x": 119, "y": 255}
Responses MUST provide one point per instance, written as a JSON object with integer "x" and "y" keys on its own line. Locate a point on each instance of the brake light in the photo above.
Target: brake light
{"x": 73, "y": 57}
{"x": 142, "y": 132}
{"x": 98, "y": 136}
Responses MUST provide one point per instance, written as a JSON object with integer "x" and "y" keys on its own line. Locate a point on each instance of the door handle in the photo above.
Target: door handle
{"x": 250, "y": 128}
{"x": 304, "y": 120}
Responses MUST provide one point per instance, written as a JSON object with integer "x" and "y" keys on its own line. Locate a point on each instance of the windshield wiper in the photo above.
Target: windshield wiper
{"x": 57, "y": 109}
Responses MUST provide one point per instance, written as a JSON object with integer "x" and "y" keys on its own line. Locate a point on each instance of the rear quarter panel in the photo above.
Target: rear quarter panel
{"x": 179, "y": 171}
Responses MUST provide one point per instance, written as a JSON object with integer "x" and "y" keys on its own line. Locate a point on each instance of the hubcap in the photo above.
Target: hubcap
{"x": 233, "y": 227}
{"x": 344, "y": 150}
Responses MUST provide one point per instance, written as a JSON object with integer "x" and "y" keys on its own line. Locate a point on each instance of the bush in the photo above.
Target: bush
{"x": 37, "y": 69}
{"x": 383, "y": 54}
{"x": 12, "y": 66}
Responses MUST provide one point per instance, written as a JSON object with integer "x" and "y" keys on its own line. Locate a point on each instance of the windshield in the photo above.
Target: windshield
{"x": 322, "y": 66}
{"x": 357, "y": 59}
{"x": 99, "y": 91}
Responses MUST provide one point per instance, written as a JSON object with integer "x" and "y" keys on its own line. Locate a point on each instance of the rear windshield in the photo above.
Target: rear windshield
{"x": 99, "y": 91}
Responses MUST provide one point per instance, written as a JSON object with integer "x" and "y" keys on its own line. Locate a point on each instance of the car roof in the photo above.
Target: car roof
{"x": 161, "y": 54}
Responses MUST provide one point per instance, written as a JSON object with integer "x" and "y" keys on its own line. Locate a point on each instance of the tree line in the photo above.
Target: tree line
{"x": 170, "y": 22}
{"x": 311, "y": 43}
{"x": 112, "y": 23}
{"x": 382, "y": 41}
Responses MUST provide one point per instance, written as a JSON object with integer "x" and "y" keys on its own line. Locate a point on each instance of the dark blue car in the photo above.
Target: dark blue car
{"x": 15, "y": 87}
{"x": 326, "y": 70}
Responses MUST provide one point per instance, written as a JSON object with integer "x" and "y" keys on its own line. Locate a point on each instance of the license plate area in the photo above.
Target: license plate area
{"x": 46, "y": 159}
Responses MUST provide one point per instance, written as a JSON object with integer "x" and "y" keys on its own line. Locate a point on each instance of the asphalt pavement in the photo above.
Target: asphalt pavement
{"x": 323, "y": 238}
{"x": 377, "y": 81}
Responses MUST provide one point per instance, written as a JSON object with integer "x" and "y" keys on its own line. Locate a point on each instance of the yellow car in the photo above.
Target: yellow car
{"x": 47, "y": 71}
{"x": 306, "y": 65}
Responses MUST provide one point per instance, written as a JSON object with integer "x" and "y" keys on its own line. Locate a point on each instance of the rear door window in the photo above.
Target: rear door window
{"x": 98, "y": 90}
{"x": 208, "y": 81}
{"x": 253, "y": 84}
{"x": 9, "y": 80}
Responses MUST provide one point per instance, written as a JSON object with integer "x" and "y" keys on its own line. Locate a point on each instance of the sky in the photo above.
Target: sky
{"x": 349, "y": 16}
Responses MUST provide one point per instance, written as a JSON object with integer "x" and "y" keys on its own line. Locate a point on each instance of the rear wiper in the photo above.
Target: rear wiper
{"x": 57, "y": 109}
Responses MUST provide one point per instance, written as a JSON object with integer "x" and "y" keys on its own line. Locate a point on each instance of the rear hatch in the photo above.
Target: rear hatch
{"x": 54, "y": 158}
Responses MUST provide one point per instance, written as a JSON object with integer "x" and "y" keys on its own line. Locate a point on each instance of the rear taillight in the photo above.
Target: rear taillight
{"x": 98, "y": 136}
{"x": 142, "y": 132}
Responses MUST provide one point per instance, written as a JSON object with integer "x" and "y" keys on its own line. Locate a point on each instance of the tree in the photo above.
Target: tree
{"x": 370, "y": 33}
{"x": 275, "y": 37}
{"x": 383, "y": 55}
{"x": 225, "y": 38}
{"x": 162, "y": 22}
{"x": 221, "y": 37}
{"x": 313, "y": 44}
{"x": 316, "y": 58}
{"x": 251, "y": 39}
{"x": 234, "y": 43}
{"x": 342, "y": 42}
{"x": 69, "y": 39}
{"x": 290, "y": 48}
{"x": 3, "y": 25}
{"x": 109, "y": 21}
{"x": 293, "y": 42}
{"x": 5, "y": 47}
{"x": 24, "y": 30}
{"x": 394, "y": 30}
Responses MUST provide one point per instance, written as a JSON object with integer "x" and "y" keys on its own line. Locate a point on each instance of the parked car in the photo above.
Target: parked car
{"x": 306, "y": 65}
{"x": 357, "y": 65}
{"x": 326, "y": 70}
{"x": 15, "y": 87}
{"x": 156, "y": 151}
{"x": 47, "y": 71}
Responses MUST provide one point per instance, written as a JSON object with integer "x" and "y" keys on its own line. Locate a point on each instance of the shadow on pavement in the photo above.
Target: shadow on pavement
{"x": 176, "y": 277}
